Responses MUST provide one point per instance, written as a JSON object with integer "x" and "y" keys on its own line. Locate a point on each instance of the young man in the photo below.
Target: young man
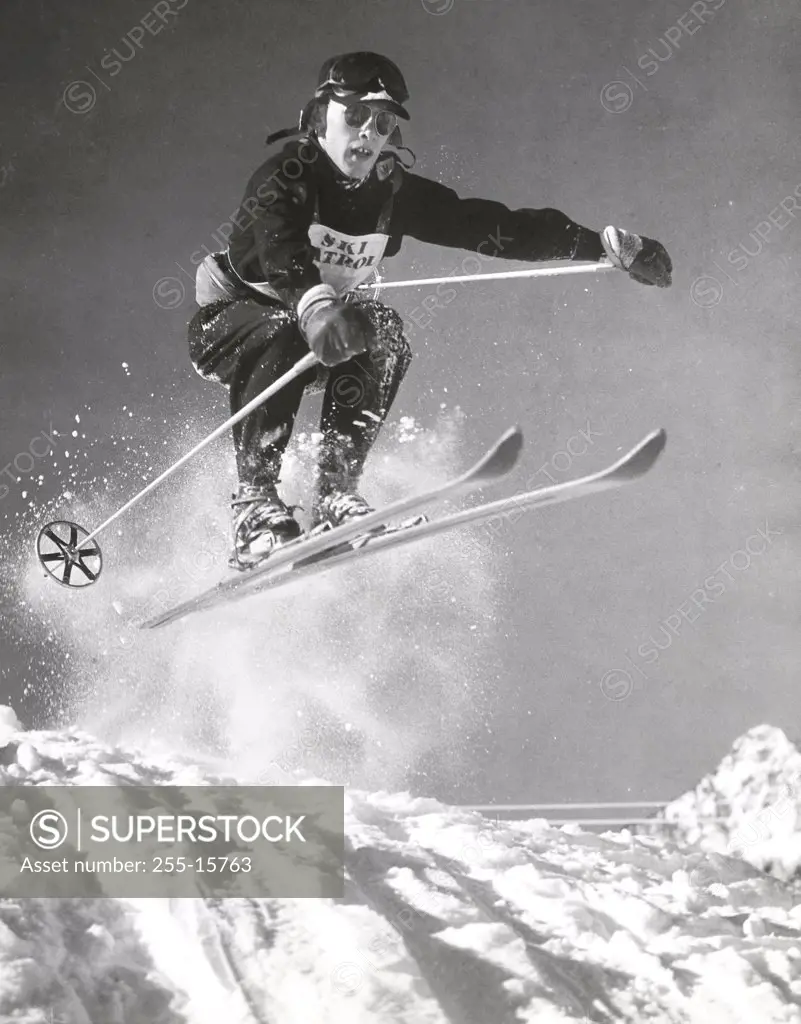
{"x": 316, "y": 220}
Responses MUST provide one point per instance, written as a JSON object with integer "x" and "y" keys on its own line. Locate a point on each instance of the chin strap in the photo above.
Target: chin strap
{"x": 302, "y": 127}
{"x": 284, "y": 133}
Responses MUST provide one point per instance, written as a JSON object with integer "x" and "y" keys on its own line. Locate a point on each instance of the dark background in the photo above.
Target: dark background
{"x": 535, "y": 105}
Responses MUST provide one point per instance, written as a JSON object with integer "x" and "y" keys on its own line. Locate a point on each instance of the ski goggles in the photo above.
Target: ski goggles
{"x": 358, "y": 114}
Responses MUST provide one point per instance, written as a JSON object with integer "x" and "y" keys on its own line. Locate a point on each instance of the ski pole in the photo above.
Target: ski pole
{"x": 69, "y": 553}
{"x": 504, "y": 275}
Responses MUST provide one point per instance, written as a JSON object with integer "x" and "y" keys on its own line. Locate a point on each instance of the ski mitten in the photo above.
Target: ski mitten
{"x": 334, "y": 330}
{"x": 643, "y": 259}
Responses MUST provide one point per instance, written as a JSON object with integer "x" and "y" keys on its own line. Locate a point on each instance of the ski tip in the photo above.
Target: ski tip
{"x": 499, "y": 460}
{"x": 641, "y": 459}
{"x": 506, "y": 451}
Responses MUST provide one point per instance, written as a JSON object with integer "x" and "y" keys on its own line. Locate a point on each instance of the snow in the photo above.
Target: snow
{"x": 750, "y": 806}
{"x": 447, "y": 917}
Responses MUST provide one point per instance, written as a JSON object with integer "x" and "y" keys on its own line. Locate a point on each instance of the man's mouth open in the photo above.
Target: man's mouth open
{"x": 360, "y": 152}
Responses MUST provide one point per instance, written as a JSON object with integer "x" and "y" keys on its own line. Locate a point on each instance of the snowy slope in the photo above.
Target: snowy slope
{"x": 448, "y": 919}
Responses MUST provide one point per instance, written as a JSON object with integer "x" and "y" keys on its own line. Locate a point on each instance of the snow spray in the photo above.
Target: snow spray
{"x": 367, "y": 676}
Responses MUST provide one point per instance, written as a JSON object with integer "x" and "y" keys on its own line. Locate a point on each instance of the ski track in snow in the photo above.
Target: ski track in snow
{"x": 447, "y": 919}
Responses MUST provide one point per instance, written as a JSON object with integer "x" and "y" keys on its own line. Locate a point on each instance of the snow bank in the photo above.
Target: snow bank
{"x": 447, "y": 919}
{"x": 750, "y": 806}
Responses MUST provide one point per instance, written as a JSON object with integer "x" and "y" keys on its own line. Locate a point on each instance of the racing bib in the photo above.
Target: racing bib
{"x": 345, "y": 261}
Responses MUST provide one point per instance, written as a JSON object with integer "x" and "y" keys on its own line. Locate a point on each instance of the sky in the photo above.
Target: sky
{"x": 604, "y": 679}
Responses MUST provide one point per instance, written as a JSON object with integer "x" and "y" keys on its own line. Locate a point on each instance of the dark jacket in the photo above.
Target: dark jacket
{"x": 270, "y": 243}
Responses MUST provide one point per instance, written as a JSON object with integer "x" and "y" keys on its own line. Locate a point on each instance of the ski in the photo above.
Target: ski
{"x": 499, "y": 460}
{"x": 630, "y": 467}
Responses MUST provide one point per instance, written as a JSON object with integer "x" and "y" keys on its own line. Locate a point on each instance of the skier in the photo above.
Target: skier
{"x": 315, "y": 221}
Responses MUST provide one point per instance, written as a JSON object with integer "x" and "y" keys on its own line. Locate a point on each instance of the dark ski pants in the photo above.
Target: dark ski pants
{"x": 247, "y": 345}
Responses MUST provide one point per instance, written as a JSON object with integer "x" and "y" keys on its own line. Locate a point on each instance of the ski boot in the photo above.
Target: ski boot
{"x": 261, "y": 523}
{"x": 339, "y": 507}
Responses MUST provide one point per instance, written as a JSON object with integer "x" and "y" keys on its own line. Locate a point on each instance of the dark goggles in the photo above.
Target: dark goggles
{"x": 357, "y": 114}
{"x": 357, "y": 72}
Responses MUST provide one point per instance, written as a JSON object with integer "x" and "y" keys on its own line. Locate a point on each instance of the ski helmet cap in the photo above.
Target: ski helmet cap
{"x": 364, "y": 77}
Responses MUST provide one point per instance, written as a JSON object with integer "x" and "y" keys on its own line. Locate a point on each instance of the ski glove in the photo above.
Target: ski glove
{"x": 335, "y": 331}
{"x": 644, "y": 259}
